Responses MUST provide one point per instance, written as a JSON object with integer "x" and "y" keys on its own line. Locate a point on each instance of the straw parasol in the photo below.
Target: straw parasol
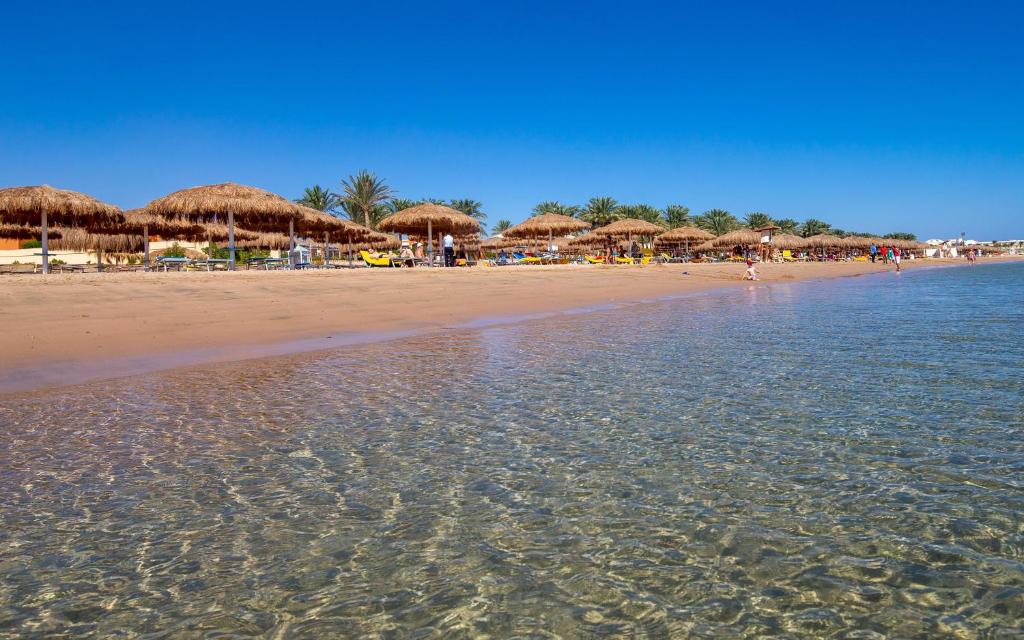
{"x": 629, "y": 227}
{"x": 496, "y": 243}
{"x": 684, "y": 236}
{"x": 45, "y": 205}
{"x": 546, "y": 224}
{"x": 788, "y": 241}
{"x": 276, "y": 241}
{"x": 252, "y": 208}
{"x": 588, "y": 241}
{"x": 313, "y": 222}
{"x": 740, "y": 237}
{"x": 24, "y": 232}
{"x": 824, "y": 240}
{"x": 424, "y": 219}
{"x": 79, "y": 239}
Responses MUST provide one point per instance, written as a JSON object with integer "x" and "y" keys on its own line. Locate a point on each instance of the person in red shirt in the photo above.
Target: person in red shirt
{"x": 896, "y": 258}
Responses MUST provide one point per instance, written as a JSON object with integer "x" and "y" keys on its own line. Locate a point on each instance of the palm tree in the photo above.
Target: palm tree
{"x": 470, "y": 207}
{"x": 649, "y": 213}
{"x": 554, "y": 206}
{"x": 362, "y": 196}
{"x": 717, "y": 221}
{"x": 316, "y": 197}
{"x": 787, "y": 225}
{"x": 395, "y": 205}
{"x": 600, "y": 211}
{"x": 758, "y": 220}
{"x": 813, "y": 227}
{"x": 501, "y": 226}
{"x": 677, "y": 215}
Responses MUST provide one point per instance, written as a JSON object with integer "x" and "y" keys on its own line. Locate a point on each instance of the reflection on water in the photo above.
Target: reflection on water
{"x": 838, "y": 458}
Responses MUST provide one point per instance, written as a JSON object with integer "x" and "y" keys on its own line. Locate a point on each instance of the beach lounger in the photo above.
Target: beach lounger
{"x": 370, "y": 261}
{"x": 623, "y": 260}
{"x": 522, "y": 258}
{"x": 594, "y": 259}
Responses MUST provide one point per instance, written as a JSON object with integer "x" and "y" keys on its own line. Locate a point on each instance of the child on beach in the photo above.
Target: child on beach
{"x": 751, "y": 273}
{"x": 896, "y": 254}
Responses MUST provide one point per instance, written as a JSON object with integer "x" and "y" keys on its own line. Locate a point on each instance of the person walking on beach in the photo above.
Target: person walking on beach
{"x": 873, "y": 250}
{"x": 449, "y": 250}
{"x": 896, "y": 253}
{"x": 885, "y": 254}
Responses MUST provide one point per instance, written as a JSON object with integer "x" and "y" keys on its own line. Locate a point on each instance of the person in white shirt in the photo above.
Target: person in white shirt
{"x": 449, "y": 250}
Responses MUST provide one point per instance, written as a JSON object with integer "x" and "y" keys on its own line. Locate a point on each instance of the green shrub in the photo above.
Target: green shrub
{"x": 31, "y": 244}
{"x": 174, "y": 251}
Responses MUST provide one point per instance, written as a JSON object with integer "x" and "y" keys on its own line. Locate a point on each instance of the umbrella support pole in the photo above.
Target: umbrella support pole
{"x": 327, "y": 249}
{"x": 99, "y": 260}
{"x": 145, "y": 246}
{"x": 350, "y": 252}
{"x": 430, "y": 243}
{"x": 231, "y": 240}
{"x": 291, "y": 243}
{"x": 45, "y": 244}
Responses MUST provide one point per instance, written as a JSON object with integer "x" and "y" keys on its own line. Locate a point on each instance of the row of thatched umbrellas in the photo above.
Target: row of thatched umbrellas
{"x": 199, "y": 213}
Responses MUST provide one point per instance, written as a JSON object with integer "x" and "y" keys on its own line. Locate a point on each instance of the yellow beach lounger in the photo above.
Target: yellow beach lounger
{"x": 374, "y": 262}
{"x": 621, "y": 260}
{"x": 595, "y": 259}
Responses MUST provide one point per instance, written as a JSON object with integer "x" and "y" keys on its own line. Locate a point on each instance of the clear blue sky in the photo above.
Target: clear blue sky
{"x": 874, "y": 116}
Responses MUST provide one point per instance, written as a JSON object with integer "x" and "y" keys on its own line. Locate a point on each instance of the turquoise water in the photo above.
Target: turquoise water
{"x": 827, "y": 459}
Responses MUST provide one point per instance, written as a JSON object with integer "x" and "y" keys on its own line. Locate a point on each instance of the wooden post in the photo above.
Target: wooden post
{"x": 327, "y": 249}
{"x": 99, "y": 260}
{"x": 45, "y": 243}
{"x": 231, "y": 240}
{"x": 430, "y": 243}
{"x": 145, "y": 246}
{"x": 349, "y": 251}
{"x": 291, "y": 241}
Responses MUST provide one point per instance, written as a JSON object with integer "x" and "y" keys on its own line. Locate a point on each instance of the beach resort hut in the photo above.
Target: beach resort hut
{"x": 426, "y": 219}
{"x": 683, "y": 236}
{"x": 546, "y": 224}
{"x": 629, "y": 228}
{"x": 249, "y": 207}
{"x": 787, "y": 242}
{"x": 44, "y": 205}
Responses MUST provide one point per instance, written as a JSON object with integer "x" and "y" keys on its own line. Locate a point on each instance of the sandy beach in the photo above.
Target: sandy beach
{"x": 65, "y": 329}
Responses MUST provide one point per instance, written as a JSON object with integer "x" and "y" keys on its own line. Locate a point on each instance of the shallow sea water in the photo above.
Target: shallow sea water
{"x": 826, "y": 459}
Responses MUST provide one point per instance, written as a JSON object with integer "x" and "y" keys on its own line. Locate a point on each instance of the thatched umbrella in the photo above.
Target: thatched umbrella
{"x": 426, "y": 218}
{"x": 629, "y": 227}
{"x": 251, "y": 208}
{"x": 497, "y": 243}
{"x": 788, "y": 241}
{"x": 547, "y": 224}
{"x": 45, "y": 205}
{"x": 588, "y": 241}
{"x": 740, "y": 237}
{"x": 79, "y": 239}
{"x": 24, "y": 232}
{"x": 684, "y": 235}
{"x": 145, "y": 224}
{"x": 314, "y": 222}
{"x": 275, "y": 241}
{"x": 824, "y": 240}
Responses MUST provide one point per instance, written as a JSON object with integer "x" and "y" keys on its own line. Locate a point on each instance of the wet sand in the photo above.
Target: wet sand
{"x": 67, "y": 328}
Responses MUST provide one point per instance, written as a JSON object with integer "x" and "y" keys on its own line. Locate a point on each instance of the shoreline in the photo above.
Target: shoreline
{"x": 70, "y": 329}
